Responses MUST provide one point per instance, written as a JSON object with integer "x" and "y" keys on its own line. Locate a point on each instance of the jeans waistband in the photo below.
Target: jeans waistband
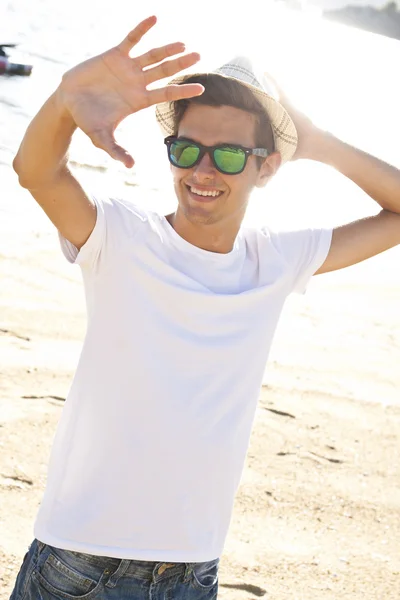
{"x": 116, "y": 568}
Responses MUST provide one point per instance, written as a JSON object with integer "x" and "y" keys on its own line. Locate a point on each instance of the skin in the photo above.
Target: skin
{"x": 99, "y": 93}
{"x": 94, "y": 96}
{"x": 213, "y": 223}
{"x": 214, "y": 226}
{"x": 366, "y": 237}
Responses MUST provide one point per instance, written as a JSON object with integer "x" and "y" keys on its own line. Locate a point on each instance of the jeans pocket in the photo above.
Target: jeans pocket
{"x": 205, "y": 575}
{"x": 64, "y": 581}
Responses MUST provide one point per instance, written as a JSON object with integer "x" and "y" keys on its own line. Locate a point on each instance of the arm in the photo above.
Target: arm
{"x": 42, "y": 166}
{"x": 362, "y": 239}
{"x": 95, "y": 96}
{"x": 357, "y": 241}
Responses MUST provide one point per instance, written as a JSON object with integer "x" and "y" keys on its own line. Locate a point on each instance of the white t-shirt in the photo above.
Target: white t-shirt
{"x": 152, "y": 440}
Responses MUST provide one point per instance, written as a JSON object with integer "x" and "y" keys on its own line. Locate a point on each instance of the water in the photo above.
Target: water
{"x": 345, "y": 79}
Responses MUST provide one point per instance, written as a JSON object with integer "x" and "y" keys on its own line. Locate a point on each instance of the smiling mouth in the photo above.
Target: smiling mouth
{"x": 203, "y": 195}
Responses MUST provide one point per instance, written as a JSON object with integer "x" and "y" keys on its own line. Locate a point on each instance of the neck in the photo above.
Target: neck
{"x": 214, "y": 237}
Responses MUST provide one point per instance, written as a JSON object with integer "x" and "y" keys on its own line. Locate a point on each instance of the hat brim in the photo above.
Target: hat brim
{"x": 284, "y": 130}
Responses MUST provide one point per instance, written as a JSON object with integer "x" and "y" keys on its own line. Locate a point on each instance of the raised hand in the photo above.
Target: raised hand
{"x": 309, "y": 135}
{"x": 102, "y": 91}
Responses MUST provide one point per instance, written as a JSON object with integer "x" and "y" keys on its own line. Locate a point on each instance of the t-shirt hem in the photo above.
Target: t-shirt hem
{"x": 128, "y": 553}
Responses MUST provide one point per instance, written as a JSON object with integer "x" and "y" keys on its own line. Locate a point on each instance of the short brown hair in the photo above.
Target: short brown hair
{"x": 222, "y": 91}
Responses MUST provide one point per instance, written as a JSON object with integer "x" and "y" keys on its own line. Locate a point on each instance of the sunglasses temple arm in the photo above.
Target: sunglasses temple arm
{"x": 260, "y": 152}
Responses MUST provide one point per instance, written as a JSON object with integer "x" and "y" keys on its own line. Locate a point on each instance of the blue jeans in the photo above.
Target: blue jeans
{"x": 48, "y": 573}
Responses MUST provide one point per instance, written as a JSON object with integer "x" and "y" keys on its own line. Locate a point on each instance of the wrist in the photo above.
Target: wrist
{"x": 322, "y": 146}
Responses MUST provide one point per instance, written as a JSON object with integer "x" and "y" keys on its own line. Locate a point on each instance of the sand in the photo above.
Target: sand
{"x": 317, "y": 515}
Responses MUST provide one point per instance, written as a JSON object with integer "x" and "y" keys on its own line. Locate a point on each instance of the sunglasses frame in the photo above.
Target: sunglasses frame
{"x": 168, "y": 141}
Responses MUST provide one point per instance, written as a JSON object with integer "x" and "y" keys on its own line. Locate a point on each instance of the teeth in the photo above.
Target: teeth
{"x": 204, "y": 193}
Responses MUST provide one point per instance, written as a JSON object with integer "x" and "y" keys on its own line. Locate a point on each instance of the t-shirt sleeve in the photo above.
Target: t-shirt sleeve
{"x": 303, "y": 252}
{"x": 115, "y": 220}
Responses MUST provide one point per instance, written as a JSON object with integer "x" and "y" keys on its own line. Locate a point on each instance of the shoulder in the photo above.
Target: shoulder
{"x": 274, "y": 240}
{"x": 123, "y": 214}
{"x": 295, "y": 254}
{"x": 124, "y": 208}
{"x": 297, "y": 249}
{"x": 289, "y": 241}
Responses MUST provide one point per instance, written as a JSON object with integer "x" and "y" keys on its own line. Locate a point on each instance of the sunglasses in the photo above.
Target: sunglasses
{"x": 229, "y": 159}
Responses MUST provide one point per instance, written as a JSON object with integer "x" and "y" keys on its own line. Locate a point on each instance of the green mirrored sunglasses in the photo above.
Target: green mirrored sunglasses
{"x": 229, "y": 159}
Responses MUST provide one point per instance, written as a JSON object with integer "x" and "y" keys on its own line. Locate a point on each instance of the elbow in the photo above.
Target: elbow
{"x": 27, "y": 177}
{"x": 16, "y": 164}
{"x": 32, "y": 176}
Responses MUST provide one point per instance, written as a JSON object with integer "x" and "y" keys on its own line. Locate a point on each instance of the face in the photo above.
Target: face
{"x": 210, "y": 126}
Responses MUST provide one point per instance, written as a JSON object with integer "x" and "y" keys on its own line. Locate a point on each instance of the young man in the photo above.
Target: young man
{"x": 181, "y": 314}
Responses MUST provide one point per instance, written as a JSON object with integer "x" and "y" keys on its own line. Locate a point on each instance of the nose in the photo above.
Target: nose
{"x": 205, "y": 170}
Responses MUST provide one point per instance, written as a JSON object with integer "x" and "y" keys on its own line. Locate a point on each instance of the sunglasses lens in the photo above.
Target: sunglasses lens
{"x": 183, "y": 154}
{"x": 230, "y": 160}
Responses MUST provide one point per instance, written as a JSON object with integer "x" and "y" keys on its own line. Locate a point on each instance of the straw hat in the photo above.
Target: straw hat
{"x": 241, "y": 69}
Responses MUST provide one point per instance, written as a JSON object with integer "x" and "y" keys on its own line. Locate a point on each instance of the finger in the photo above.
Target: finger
{"x": 156, "y": 55}
{"x": 105, "y": 141}
{"x": 170, "y": 93}
{"x": 170, "y": 67}
{"x": 136, "y": 34}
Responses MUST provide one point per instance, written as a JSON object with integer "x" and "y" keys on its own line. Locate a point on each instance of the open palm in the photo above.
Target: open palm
{"x": 102, "y": 91}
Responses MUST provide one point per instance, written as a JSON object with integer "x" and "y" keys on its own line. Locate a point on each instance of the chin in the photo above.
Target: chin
{"x": 198, "y": 216}
{"x": 198, "y": 213}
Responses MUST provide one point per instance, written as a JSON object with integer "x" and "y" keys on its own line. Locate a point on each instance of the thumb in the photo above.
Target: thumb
{"x": 105, "y": 140}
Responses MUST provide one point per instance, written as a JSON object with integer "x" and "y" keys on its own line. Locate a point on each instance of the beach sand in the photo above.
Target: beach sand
{"x": 317, "y": 515}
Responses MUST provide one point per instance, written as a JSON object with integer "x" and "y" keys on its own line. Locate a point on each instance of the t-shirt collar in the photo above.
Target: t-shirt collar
{"x": 200, "y": 252}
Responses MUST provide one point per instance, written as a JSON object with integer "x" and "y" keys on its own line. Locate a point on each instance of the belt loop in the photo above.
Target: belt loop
{"x": 122, "y": 568}
{"x": 40, "y": 546}
{"x": 188, "y": 571}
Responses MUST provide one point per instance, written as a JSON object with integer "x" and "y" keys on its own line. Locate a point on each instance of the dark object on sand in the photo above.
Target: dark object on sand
{"x": 9, "y": 68}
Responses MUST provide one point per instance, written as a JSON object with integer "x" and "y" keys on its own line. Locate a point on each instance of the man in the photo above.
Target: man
{"x": 181, "y": 314}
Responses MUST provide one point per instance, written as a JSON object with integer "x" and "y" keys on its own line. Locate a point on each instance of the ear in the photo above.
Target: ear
{"x": 268, "y": 169}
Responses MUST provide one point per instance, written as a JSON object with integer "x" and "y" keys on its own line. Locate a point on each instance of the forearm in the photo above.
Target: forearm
{"x": 378, "y": 179}
{"x": 43, "y": 151}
